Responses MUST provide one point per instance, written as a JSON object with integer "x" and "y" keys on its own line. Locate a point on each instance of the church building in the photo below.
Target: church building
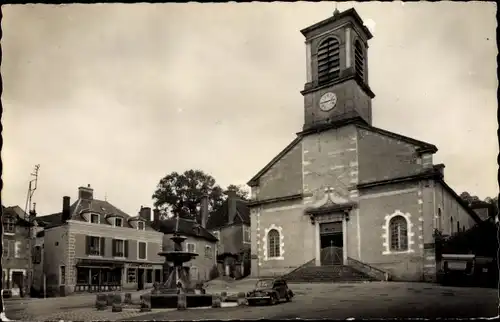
{"x": 345, "y": 192}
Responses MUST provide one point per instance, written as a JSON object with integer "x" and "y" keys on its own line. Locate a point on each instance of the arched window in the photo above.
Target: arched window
{"x": 273, "y": 240}
{"x": 359, "y": 59}
{"x": 399, "y": 233}
{"x": 328, "y": 60}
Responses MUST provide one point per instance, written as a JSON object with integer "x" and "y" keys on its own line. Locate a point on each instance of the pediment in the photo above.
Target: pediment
{"x": 331, "y": 201}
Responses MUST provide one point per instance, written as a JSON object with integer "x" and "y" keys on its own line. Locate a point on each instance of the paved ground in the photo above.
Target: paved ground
{"x": 334, "y": 301}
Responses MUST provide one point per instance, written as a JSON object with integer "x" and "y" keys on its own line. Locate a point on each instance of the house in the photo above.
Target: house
{"x": 231, "y": 225}
{"x": 198, "y": 240}
{"x": 16, "y": 254}
{"x": 91, "y": 245}
{"x": 345, "y": 192}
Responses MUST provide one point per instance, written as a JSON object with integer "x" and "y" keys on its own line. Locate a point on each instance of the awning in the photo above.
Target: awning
{"x": 99, "y": 263}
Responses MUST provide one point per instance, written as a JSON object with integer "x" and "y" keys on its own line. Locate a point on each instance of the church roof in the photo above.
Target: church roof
{"x": 422, "y": 146}
{"x": 350, "y": 12}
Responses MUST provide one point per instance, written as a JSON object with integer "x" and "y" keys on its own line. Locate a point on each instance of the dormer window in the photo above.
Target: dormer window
{"x": 94, "y": 218}
{"x": 328, "y": 60}
{"x": 359, "y": 60}
{"x": 140, "y": 225}
{"x": 118, "y": 222}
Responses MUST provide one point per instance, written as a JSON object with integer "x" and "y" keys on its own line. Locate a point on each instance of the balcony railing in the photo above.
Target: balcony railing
{"x": 94, "y": 252}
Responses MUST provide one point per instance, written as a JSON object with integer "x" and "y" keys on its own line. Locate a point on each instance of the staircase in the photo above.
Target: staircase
{"x": 327, "y": 274}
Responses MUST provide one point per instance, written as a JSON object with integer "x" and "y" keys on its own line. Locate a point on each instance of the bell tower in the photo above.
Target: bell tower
{"x": 337, "y": 88}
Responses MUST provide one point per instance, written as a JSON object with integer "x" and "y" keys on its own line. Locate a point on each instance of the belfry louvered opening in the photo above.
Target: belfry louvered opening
{"x": 328, "y": 60}
{"x": 359, "y": 59}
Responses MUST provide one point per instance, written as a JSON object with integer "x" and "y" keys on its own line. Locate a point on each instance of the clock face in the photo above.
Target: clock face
{"x": 327, "y": 101}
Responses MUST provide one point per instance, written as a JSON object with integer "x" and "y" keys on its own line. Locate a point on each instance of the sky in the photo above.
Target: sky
{"x": 119, "y": 95}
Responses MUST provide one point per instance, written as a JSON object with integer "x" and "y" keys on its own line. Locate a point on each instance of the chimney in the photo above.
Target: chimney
{"x": 204, "y": 210}
{"x": 86, "y": 193}
{"x": 231, "y": 204}
{"x": 145, "y": 213}
{"x": 66, "y": 213}
{"x": 440, "y": 168}
{"x": 156, "y": 216}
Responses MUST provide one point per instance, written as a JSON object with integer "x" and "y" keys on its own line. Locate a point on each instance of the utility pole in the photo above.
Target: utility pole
{"x": 30, "y": 215}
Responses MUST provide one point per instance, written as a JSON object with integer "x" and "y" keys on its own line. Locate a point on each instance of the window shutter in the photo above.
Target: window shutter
{"x": 87, "y": 243}
{"x": 113, "y": 247}
{"x": 125, "y": 243}
{"x": 103, "y": 246}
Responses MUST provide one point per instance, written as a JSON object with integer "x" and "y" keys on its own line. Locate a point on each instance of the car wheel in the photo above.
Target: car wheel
{"x": 288, "y": 298}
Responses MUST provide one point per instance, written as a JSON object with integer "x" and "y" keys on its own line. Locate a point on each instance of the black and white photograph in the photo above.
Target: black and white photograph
{"x": 249, "y": 160}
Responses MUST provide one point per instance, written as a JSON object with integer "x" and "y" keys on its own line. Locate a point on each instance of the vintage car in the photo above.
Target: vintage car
{"x": 269, "y": 291}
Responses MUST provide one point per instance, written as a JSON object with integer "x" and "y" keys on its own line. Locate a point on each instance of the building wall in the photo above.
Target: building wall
{"x": 56, "y": 254}
{"x": 11, "y": 263}
{"x": 204, "y": 262}
{"x": 64, "y": 245}
{"x": 296, "y": 238}
{"x": 284, "y": 178}
{"x": 382, "y": 157}
{"x": 231, "y": 239}
{"x": 450, "y": 208}
{"x": 376, "y": 206}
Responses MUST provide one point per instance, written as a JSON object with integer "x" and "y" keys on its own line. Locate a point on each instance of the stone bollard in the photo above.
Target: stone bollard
{"x": 101, "y": 302}
{"x": 181, "y": 301}
{"x": 223, "y": 296}
{"x": 145, "y": 303}
{"x": 242, "y": 299}
{"x": 128, "y": 298}
{"x": 216, "y": 301}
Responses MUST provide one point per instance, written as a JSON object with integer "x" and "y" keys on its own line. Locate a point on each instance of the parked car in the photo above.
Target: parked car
{"x": 269, "y": 291}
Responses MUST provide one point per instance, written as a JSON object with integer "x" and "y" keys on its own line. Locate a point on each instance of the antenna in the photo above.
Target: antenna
{"x": 31, "y": 191}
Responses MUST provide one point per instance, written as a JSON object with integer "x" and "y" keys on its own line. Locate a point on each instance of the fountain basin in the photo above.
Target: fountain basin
{"x": 169, "y": 301}
{"x": 178, "y": 257}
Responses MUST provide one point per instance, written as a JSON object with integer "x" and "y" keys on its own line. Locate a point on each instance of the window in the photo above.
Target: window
{"x": 17, "y": 249}
{"x": 118, "y": 248}
{"x": 193, "y": 271}
{"x": 190, "y": 247}
{"x": 328, "y": 60}
{"x": 439, "y": 223}
{"x": 141, "y": 253}
{"x": 94, "y": 218}
{"x": 62, "y": 275}
{"x": 451, "y": 225}
{"x": 37, "y": 256}
{"x": 216, "y": 233}
{"x": 140, "y": 225}
{"x": 95, "y": 246}
{"x": 246, "y": 234}
{"x": 359, "y": 59}
{"x": 158, "y": 275}
{"x": 118, "y": 222}
{"x": 208, "y": 251}
{"x": 131, "y": 275}
{"x": 5, "y": 249}
{"x": 399, "y": 233}
{"x": 149, "y": 276}
{"x": 273, "y": 240}
{"x": 458, "y": 226}
{"x": 9, "y": 225}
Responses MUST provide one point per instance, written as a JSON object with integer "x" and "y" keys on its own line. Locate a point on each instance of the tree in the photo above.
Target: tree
{"x": 181, "y": 193}
{"x": 241, "y": 192}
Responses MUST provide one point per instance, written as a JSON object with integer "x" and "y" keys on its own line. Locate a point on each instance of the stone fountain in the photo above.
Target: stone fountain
{"x": 166, "y": 295}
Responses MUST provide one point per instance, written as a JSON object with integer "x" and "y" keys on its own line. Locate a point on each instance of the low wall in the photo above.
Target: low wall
{"x": 368, "y": 270}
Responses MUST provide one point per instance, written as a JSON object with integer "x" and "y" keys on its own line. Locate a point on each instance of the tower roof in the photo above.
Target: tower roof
{"x": 337, "y": 16}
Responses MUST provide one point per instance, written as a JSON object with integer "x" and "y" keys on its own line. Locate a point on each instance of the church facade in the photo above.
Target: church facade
{"x": 343, "y": 190}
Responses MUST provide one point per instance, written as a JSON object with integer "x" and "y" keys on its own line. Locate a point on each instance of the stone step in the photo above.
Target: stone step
{"x": 335, "y": 273}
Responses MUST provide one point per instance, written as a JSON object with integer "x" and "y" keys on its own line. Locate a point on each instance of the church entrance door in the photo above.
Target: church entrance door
{"x": 331, "y": 243}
